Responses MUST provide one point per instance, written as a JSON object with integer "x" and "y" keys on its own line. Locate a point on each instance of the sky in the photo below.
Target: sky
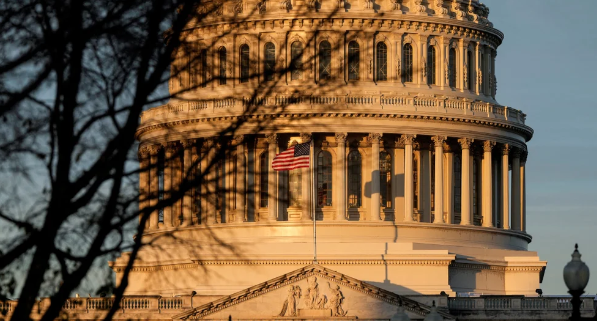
{"x": 546, "y": 67}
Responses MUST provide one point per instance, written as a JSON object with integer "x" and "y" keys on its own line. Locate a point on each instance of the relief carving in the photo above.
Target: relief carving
{"x": 336, "y": 300}
{"x": 290, "y": 306}
{"x": 313, "y": 300}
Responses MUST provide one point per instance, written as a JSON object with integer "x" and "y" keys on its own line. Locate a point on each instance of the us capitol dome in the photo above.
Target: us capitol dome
{"x": 417, "y": 178}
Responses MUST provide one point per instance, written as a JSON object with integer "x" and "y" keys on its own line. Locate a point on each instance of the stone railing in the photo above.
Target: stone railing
{"x": 344, "y": 103}
{"x": 517, "y": 303}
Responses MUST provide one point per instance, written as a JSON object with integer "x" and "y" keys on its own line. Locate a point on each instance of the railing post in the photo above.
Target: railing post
{"x": 515, "y": 304}
{"x": 479, "y": 303}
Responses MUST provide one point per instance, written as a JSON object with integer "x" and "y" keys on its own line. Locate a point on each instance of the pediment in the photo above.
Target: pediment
{"x": 312, "y": 292}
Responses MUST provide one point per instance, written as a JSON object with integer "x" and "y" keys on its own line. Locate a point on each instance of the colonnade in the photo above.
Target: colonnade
{"x": 165, "y": 166}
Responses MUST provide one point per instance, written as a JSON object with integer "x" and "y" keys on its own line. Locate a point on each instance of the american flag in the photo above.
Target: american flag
{"x": 295, "y": 157}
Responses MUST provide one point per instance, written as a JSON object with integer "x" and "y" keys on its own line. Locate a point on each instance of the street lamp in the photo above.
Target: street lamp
{"x": 576, "y": 277}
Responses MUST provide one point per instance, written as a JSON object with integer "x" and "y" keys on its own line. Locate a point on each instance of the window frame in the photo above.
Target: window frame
{"x": 297, "y": 51}
{"x": 244, "y": 64}
{"x": 381, "y": 61}
{"x": 269, "y": 62}
{"x": 325, "y": 174}
{"x": 222, "y": 68}
{"x": 431, "y": 65}
{"x": 320, "y": 62}
{"x": 354, "y": 179}
{"x": 407, "y": 58}
{"x": 353, "y": 59}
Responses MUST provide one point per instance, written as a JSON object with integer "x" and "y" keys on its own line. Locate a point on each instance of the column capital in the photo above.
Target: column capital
{"x": 505, "y": 149}
{"x": 271, "y": 138}
{"x": 341, "y": 138}
{"x": 515, "y": 152}
{"x": 305, "y": 137}
{"x": 407, "y": 139}
{"x": 209, "y": 142}
{"x": 170, "y": 147}
{"x": 465, "y": 143}
{"x": 488, "y": 146}
{"x": 438, "y": 141}
{"x": 144, "y": 151}
{"x": 155, "y": 149}
{"x": 523, "y": 156}
{"x": 238, "y": 139}
{"x": 187, "y": 143}
{"x": 374, "y": 138}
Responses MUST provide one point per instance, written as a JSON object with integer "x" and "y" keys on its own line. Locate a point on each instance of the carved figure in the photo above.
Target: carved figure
{"x": 336, "y": 298}
{"x": 397, "y": 4}
{"x": 289, "y": 308}
{"x": 312, "y": 298}
{"x": 261, "y": 7}
{"x": 285, "y": 4}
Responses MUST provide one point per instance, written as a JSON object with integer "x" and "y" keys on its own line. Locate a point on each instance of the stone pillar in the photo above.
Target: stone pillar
{"x": 239, "y": 215}
{"x": 374, "y": 138}
{"x": 209, "y": 171}
{"x": 449, "y": 185}
{"x": 170, "y": 149}
{"x": 341, "y": 178}
{"x": 466, "y": 188}
{"x": 272, "y": 140}
{"x": 478, "y": 88}
{"x": 154, "y": 186}
{"x": 407, "y": 141}
{"x": 523, "y": 191}
{"x": 487, "y": 185}
{"x": 505, "y": 188}
{"x": 143, "y": 182}
{"x": 306, "y": 184}
{"x": 439, "y": 178}
{"x": 516, "y": 183}
{"x": 187, "y": 199}
{"x": 398, "y": 181}
{"x": 461, "y": 59}
{"x": 176, "y": 168}
{"x": 443, "y": 63}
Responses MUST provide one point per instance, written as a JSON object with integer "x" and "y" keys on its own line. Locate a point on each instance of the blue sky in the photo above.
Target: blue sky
{"x": 546, "y": 67}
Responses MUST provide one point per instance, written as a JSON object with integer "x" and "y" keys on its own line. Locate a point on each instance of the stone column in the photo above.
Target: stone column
{"x": 188, "y": 179}
{"x": 398, "y": 181}
{"x": 407, "y": 141}
{"x": 239, "y": 215}
{"x": 505, "y": 188}
{"x": 374, "y": 138}
{"x": 487, "y": 185}
{"x": 449, "y": 185}
{"x": 425, "y": 183}
{"x": 306, "y": 184}
{"x": 523, "y": 191}
{"x": 143, "y": 182}
{"x": 341, "y": 178}
{"x": 461, "y": 59}
{"x": 209, "y": 171}
{"x": 466, "y": 188}
{"x": 516, "y": 182}
{"x": 170, "y": 149}
{"x": 478, "y": 88}
{"x": 272, "y": 140}
{"x": 443, "y": 64}
{"x": 154, "y": 186}
{"x": 439, "y": 178}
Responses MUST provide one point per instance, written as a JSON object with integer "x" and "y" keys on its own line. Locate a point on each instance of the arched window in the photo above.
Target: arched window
{"x": 295, "y": 188}
{"x": 353, "y": 60}
{"x": 407, "y": 53}
{"x": 415, "y": 183}
{"x": 296, "y": 61}
{"x": 431, "y": 65}
{"x": 354, "y": 179}
{"x": 203, "y": 83}
{"x": 269, "y": 61}
{"x": 325, "y": 60}
{"x": 457, "y": 186}
{"x": 324, "y": 179}
{"x": 244, "y": 63}
{"x": 263, "y": 179}
{"x": 222, "y": 60}
{"x": 385, "y": 179}
{"x": 452, "y": 67}
{"x": 470, "y": 78}
{"x": 382, "y": 62}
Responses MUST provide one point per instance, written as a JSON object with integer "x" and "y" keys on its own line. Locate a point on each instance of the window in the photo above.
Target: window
{"x": 353, "y": 60}
{"x": 415, "y": 183}
{"x": 325, "y": 60}
{"x": 354, "y": 179}
{"x": 244, "y": 63}
{"x": 470, "y": 78}
{"x": 161, "y": 160}
{"x": 385, "y": 179}
{"x": 263, "y": 179}
{"x": 222, "y": 60}
{"x": 407, "y": 51}
{"x": 296, "y": 61}
{"x": 203, "y": 83}
{"x": 431, "y": 65}
{"x": 382, "y": 62}
{"x": 452, "y": 67}
{"x": 295, "y": 188}
{"x": 269, "y": 61}
{"x": 457, "y": 184}
{"x": 324, "y": 179}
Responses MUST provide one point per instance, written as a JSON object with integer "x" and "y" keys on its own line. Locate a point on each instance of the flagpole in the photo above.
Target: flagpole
{"x": 313, "y": 203}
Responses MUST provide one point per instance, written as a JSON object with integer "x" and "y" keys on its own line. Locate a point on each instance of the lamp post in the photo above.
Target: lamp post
{"x": 576, "y": 277}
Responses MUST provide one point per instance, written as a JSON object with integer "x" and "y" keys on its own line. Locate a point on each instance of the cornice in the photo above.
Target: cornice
{"x": 473, "y": 266}
{"x": 523, "y": 130}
